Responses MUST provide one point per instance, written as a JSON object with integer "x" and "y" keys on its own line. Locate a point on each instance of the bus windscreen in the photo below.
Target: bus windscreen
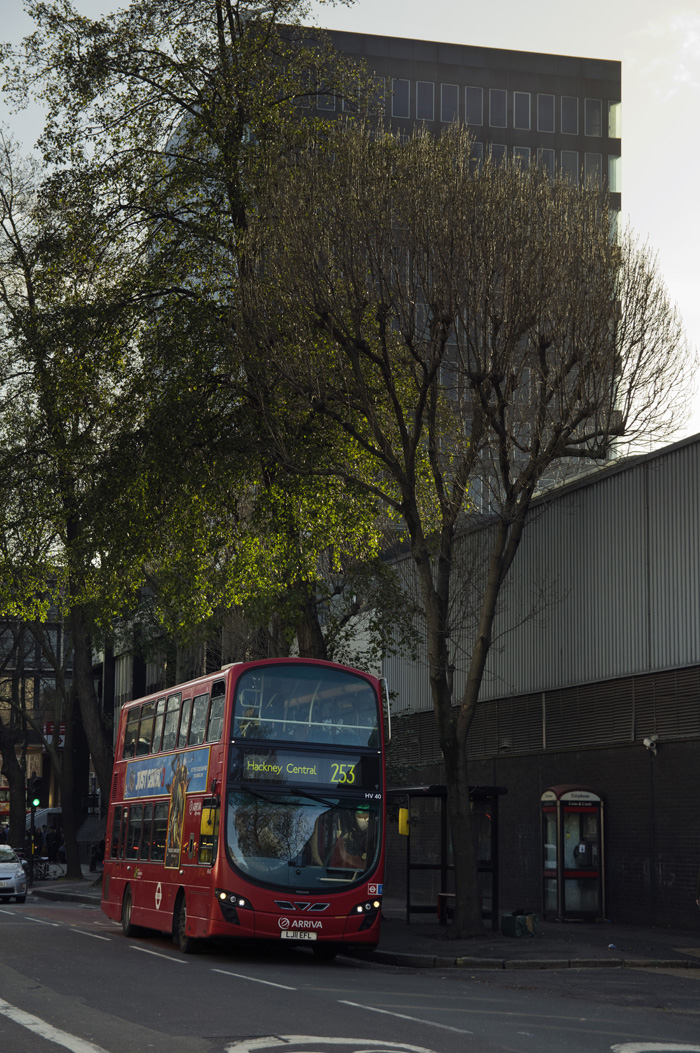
{"x": 294, "y": 841}
{"x": 292, "y": 703}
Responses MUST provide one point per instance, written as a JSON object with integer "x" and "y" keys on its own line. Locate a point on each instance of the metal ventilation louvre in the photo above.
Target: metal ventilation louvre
{"x": 590, "y": 715}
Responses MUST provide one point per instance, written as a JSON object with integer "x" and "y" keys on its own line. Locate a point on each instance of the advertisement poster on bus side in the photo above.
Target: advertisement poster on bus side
{"x": 150, "y": 778}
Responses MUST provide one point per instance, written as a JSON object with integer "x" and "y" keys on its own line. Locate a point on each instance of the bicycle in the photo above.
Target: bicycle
{"x": 40, "y": 869}
{"x": 43, "y": 870}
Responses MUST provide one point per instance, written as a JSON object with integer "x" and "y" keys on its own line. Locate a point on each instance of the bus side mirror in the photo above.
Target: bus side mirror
{"x": 404, "y": 825}
{"x": 209, "y": 830}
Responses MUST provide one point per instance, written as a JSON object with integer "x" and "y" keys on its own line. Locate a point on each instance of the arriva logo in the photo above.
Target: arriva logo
{"x": 306, "y": 923}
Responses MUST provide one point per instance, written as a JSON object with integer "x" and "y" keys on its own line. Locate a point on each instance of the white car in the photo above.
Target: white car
{"x": 13, "y": 880}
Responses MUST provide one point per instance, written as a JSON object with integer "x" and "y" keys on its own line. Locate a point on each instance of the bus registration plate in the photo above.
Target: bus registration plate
{"x": 298, "y": 935}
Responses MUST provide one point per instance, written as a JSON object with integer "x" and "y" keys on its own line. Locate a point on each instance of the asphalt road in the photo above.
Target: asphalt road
{"x": 70, "y": 980}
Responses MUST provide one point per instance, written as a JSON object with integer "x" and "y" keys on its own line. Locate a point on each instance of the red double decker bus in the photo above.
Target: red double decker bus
{"x": 250, "y": 804}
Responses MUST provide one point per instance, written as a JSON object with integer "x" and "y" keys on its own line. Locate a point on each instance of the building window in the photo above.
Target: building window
{"x": 521, "y": 155}
{"x": 614, "y": 120}
{"x": 307, "y": 98}
{"x": 378, "y": 94}
{"x": 325, "y": 102}
{"x": 569, "y": 115}
{"x": 614, "y": 174}
{"x": 499, "y": 153}
{"x": 400, "y": 98}
{"x": 569, "y": 166}
{"x": 497, "y": 108}
{"x": 476, "y": 156}
{"x": 350, "y": 98}
{"x": 521, "y": 110}
{"x": 425, "y": 100}
{"x": 545, "y": 113}
{"x": 474, "y": 106}
{"x": 449, "y": 102}
{"x": 592, "y": 168}
{"x": 593, "y": 117}
{"x": 545, "y": 161}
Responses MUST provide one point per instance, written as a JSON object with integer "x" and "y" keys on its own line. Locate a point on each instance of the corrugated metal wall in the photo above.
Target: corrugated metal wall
{"x": 606, "y": 584}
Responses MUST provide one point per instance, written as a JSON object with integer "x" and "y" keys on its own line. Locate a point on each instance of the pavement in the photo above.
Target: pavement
{"x": 426, "y": 944}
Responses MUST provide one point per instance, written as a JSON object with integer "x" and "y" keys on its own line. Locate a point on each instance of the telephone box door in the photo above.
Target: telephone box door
{"x": 572, "y": 865}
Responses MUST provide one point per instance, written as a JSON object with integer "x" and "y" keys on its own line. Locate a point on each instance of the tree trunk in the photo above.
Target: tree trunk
{"x": 69, "y": 823}
{"x": 468, "y": 920}
{"x": 435, "y": 590}
{"x": 14, "y": 773}
{"x": 310, "y": 637}
{"x": 99, "y": 743}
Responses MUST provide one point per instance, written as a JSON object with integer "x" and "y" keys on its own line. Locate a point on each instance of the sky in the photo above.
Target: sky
{"x": 659, "y": 48}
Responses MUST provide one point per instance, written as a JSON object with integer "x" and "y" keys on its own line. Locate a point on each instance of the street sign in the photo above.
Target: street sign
{"x": 49, "y": 729}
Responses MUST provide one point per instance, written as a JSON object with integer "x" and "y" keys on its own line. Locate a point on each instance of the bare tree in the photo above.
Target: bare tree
{"x": 466, "y": 330}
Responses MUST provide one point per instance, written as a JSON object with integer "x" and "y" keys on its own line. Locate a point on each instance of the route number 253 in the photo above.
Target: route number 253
{"x": 343, "y": 773}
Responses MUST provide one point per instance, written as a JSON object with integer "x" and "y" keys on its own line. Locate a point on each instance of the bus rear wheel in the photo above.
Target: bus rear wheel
{"x": 128, "y": 928}
{"x": 187, "y": 944}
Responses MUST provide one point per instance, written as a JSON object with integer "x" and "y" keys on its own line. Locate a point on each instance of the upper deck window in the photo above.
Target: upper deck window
{"x": 131, "y": 733}
{"x": 297, "y": 703}
{"x": 172, "y": 720}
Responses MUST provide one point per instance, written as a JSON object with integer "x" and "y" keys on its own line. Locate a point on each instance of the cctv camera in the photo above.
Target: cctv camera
{"x": 650, "y": 742}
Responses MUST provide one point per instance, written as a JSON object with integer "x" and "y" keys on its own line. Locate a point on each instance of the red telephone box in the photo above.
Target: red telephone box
{"x": 572, "y": 854}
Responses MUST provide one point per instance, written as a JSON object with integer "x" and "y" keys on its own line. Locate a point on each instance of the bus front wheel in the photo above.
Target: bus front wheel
{"x": 187, "y": 944}
{"x": 128, "y": 928}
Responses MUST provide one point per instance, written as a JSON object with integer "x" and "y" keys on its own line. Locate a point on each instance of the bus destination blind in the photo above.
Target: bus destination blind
{"x": 345, "y": 771}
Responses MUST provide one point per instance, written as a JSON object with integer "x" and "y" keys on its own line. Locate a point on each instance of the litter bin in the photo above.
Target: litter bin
{"x": 518, "y": 923}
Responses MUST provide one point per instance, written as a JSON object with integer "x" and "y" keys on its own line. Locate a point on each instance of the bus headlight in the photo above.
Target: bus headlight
{"x": 369, "y": 910}
{"x": 230, "y": 903}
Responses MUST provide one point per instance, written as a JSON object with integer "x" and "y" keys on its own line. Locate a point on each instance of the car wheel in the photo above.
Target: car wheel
{"x": 20, "y": 899}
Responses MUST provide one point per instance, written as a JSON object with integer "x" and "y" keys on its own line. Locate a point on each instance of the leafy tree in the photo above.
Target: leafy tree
{"x": 66, "y": 342}
{"x": 471, "y": 331}
{"x": 175, "y": 104}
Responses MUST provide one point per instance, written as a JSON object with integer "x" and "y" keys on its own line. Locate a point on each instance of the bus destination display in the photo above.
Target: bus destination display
{"x": 345, "y": 771}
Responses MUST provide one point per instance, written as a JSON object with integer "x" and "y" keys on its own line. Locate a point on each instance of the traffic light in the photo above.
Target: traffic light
{"x": 34, "y": 791}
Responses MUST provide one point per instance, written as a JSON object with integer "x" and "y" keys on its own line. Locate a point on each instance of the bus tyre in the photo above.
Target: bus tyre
{"x": 128, "y": 928}
{"x": 187, "y": 944}
{"x": 325, "y": 952}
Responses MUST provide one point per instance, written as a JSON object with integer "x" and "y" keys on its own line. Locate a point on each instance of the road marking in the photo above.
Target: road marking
{"x": 654, "y": 1047}
{"x": 402, "y": 1016}
{"x": 156, "y": 954}
{"x": 93, "y": 934}
{"x": 40, "y": 921}
{"x": 48, "y": 1031}
{"x": 10, "y": 912}
{"x": 253, "y": 979}
{"x": 377, "y": 1045}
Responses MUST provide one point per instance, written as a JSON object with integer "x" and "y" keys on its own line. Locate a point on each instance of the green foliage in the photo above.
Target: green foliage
{"x": 159, "y": 465}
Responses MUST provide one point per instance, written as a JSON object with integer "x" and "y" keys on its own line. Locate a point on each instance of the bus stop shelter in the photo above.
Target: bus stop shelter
{"x": 429, "y": 866}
